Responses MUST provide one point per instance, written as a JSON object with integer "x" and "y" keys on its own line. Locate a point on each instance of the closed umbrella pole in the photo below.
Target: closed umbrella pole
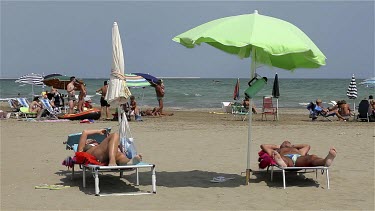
{"x": 276, "y": 94}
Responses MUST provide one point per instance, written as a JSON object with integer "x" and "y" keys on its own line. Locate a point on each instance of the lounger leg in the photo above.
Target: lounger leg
{"x": 97, "y": 190}
{"x": 327, "y": 177}
{"x": 84, "y": 176}
{"x": 316, "y": 173}
{"x": 284, "y": 178}
{"x": 137, "y": 173}
{"x": 72, "y": 172}
{"x": 271, "y": 173}
{"x": 121, "y": 174}
{"x": 153, "y": 179}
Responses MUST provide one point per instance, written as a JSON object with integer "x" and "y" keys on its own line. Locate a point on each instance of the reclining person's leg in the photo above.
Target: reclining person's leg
{"x": 313, "y": 160}
{"x": 107, "y": 150}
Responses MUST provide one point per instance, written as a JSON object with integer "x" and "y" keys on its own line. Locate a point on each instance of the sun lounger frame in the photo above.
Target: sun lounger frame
{"x": 316, "y": 168}
{"x": 95, "y": 169}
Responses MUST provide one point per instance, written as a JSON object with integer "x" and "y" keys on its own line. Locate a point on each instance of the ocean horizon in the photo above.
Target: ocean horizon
{"x": 209, "y": 93}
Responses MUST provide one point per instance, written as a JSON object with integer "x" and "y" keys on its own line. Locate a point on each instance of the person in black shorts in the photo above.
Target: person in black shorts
{"x": 103, "y": 103}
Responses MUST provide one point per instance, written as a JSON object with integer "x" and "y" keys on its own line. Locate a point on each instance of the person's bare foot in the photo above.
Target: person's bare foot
{"x": 331, "y": 155}
{"x": 277, "y": 157}
{"x": 137, "y": 159}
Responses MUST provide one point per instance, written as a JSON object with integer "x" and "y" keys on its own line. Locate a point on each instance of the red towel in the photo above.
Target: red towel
{"x": 265, "y": 160}
{"x": 86, "y": 158}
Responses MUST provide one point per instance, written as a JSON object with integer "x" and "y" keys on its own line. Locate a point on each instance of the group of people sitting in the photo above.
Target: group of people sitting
{"x": 341, "y": 109}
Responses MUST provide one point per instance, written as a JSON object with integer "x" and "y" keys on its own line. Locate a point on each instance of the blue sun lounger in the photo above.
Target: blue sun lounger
{"x": 72, "y": 144}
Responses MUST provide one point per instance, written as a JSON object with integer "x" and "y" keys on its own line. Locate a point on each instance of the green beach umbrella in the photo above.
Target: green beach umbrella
{"x": 265, "y": 39}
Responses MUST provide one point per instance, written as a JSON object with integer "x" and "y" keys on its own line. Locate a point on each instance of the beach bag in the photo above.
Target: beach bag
{"x": 126, "y": 139}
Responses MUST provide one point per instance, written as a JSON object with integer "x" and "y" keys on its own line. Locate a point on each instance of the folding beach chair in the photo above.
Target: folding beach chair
{"x": 315, "y": 112}
{"x": 52, "y": 111}
{"x": 268, "y": 108}
{"x": 267, "y": 161}
{"x": 14, "y": 105}
{"x": 24, "y": 112}
{"x": 240, "y": 111}
{"x": 23, "y": 102}
{"x": 364, "y": 111}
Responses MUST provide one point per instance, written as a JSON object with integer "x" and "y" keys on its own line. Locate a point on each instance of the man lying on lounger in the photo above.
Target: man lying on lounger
{"x": 108, "y": 151}
{"x": 288, "y": 155}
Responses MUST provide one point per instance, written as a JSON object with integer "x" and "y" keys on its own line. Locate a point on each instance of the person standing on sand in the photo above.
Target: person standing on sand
{"x": 71, "y": 94}
{"x": 81, "y": 96}
{"x": 103, "y": 103}
{"x": 159, "y": 89}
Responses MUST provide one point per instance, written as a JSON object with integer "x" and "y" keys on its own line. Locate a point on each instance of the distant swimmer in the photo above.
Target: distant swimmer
{"x": 216, "y": 81}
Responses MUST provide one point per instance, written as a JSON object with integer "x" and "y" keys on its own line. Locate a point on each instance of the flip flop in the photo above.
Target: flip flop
{"x": 42, "y": 186}
{"x": 58, "y": 187}
{"x": 221, "y": 179}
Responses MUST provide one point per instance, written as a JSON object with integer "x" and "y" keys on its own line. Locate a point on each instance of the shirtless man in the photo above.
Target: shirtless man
{"x": 344, "y": 109}
{"x": 288, "y": 155}
{"x": 159, "y": 89}
{"x": 103, "y": 103}
{"x": 71, "y": 94}
{"x": 108, "y": 151}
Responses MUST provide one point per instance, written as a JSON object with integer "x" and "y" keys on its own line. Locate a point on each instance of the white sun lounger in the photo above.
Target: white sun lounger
{"x": 316, "y": 168}
{"x": 95, "y": 169}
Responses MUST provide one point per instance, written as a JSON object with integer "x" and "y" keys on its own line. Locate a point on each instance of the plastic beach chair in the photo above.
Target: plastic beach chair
{"x": 315, "y": 112}
{"x": 240, "y": 111}
{"x": 364, "y": 111}
{"x": 268, "y": 108}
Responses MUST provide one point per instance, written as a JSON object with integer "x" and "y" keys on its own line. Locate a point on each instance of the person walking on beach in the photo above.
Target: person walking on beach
{"x": 71, "y": 94}
{"x": 103, "y": 103}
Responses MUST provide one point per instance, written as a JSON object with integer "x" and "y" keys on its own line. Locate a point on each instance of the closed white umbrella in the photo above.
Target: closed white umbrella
{"x": 117, "y": 92}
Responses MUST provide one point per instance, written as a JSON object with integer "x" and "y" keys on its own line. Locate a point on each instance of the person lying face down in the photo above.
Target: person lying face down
{"x": 108, "y": 151}
{"x": 288, "y": 155}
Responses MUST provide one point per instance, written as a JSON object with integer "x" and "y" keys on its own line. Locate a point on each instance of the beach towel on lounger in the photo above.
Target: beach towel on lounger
{"x": 265, "y": 160}
{"x": 82, "y": 158}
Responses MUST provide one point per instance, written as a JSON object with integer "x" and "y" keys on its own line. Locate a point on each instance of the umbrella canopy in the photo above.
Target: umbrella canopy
{"x": 352, "y": 89}
{"x": 274, "y": 41}
{"x": 117, "y": 92}
{"x": 148, "y": 77}
{"x": 369, "y": 82}
{"x": 136, "y": 81}
{"x": 59, "y": 81}
{"x": 52, "y": 75}
{"x": 236, "y": 92}
{"x": 267, "y": 40}
{"x": 32, "y": 79}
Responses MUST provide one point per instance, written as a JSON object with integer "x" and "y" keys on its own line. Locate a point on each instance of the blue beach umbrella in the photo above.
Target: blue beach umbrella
{"x": 148, "y": 77}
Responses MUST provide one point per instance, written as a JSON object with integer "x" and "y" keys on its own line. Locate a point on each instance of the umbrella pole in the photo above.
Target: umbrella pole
{"x": 252, "y": 74}
{"x": 277, "y": 109}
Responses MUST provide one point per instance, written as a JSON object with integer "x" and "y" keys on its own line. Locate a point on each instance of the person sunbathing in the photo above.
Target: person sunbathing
{"x": 108, "y": 151}
{"x": 288, "y": 155}
{"x": 328, "y": 111}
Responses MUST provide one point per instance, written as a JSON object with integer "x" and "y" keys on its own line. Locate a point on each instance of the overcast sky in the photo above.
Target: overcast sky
{"x": 74, "y": 38}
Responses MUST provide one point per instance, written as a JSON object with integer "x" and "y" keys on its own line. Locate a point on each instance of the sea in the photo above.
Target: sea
{"x": 209, "y": 93}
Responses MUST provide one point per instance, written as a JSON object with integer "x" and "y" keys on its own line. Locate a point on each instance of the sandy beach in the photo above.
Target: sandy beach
{"x": 189, "y": 149}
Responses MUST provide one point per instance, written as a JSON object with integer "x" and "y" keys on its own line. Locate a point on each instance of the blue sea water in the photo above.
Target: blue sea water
{"x": 202, "y": 93}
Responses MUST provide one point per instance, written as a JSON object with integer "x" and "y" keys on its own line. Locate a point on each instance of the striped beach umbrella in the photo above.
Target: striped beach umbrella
{"x": 352, "y": 89}
{"x": 33, "y": 79}
{"x": 136, "y": 81}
